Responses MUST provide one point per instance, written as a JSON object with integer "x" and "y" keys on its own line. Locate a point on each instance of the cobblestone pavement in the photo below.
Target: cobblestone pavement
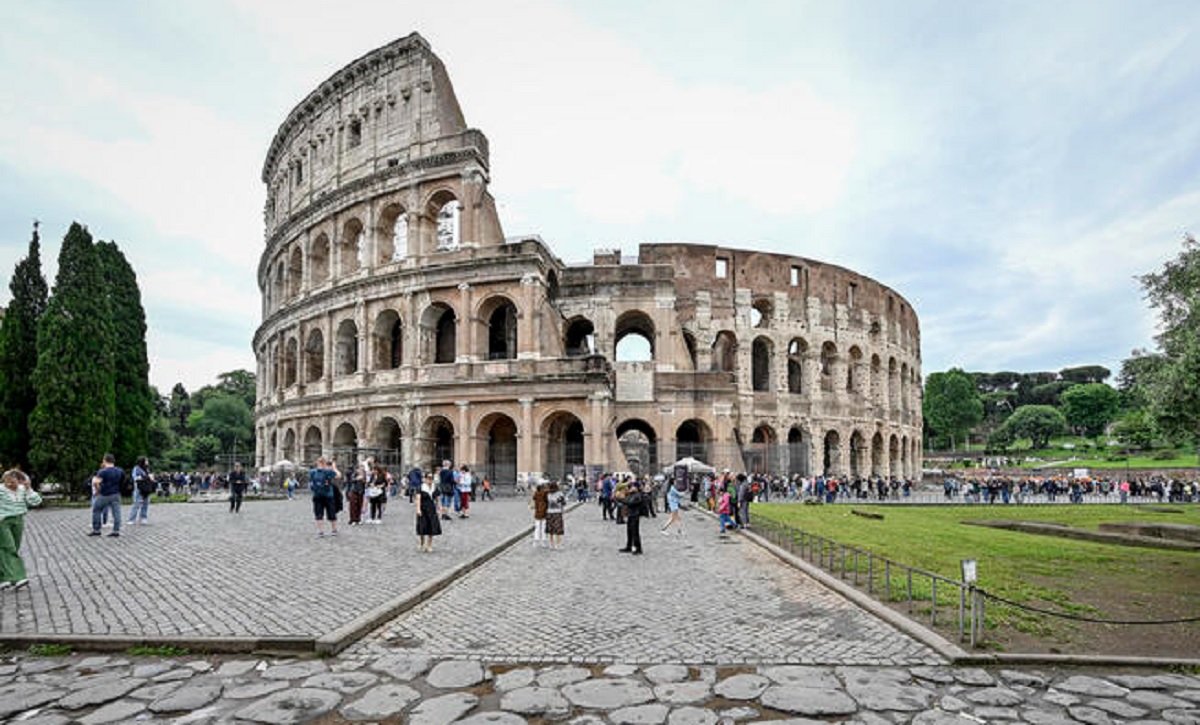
{"x": 692, "y": 599}
{"x": 199, "y": 571}
{"x": 405, "y": 688}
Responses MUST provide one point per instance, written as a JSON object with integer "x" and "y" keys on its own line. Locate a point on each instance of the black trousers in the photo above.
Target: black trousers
{"x": 633, "y": 533}
{"x": 606, "y": 505}
{"x": 235, "y": 499}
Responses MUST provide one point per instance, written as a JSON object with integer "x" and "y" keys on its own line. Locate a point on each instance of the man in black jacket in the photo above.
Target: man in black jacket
{"x": 635, "y": 508}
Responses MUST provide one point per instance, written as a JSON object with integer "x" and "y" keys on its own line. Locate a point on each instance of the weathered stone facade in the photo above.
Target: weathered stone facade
{"x": 397, "y": 318}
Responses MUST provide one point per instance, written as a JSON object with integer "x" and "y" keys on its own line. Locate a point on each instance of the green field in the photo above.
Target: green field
{"x": 1065, "y": 575}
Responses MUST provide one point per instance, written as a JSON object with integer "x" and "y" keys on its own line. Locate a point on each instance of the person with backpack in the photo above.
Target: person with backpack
{"x": 143, "y": 489}
{"x": 447, "y": 489}
{"x": 106, "y": 495}
{"x": 635, "y": 509}
{"x": 321, "y": 483}
{"x": 237, "y": 488}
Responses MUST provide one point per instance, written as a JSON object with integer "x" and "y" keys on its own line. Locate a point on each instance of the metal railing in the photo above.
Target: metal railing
{"x": 946, "y": 603}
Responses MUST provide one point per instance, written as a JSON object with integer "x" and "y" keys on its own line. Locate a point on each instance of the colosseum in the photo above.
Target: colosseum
{"x": 400, "y": 322}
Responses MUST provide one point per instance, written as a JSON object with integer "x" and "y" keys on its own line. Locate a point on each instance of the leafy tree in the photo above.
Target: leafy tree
{"x": 1174, "y": 387}
{"x": 131, "y": 366}
{"x": 160, "y": 439}
{"x": 226, "y": 418}
{"x": 205, "y": 449}
{"x": 998, "y": 405}
{"x": 1038, "y": 423}
{"x": 1048, "y": 393}
{"x": 72, "y": 425}
{"x": 180, "y": 408}
{"x": 1000, "y": 440}
{"x": 996, "y": 382}
{"x": 1137, "y": 372}
{"x": 952, "y": 405}
{"x": 1135, "y": 430}
{"x": 240, "y": 384}
{"x": 1030, "y": 381}
{"x": 1090, "y": 407}
{"x": 19, "y": 353}
{"x": 1085, "y": 374}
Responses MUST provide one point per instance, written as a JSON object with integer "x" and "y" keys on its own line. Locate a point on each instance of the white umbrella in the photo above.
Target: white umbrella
{"x": 284, "y": 465}
{"x": 692, "y": 464}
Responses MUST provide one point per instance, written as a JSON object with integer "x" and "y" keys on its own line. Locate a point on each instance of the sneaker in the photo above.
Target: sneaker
{"x": 320, "y": 534}
{"x": 333, "y": 533}
{"x": 664, "y": 532}
{"x": 93, "y": 533}
{"x": 114, "y": 534}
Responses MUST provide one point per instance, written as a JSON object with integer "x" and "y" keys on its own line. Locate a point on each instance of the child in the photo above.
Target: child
{"x": 16, "y": 496}
{"x": 724, "y": 507}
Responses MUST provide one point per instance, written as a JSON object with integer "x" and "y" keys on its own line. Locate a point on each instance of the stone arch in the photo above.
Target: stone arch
{"x": 639, "y": 444}
{"x": 346, "y": 351}
{"x": 876, "y": 379}
{"x": 389, "y": 436}
{"x": 724, "y": 352}
{"x": 797, "y": 350}
{"x": 438, "y": 442}
{"x": 439, "y": 332}
{"x": 905, "y": 461}
{"x": 858, "y": 454}
{"x": 392, "y": 234}
{"x": 318, "y": 261}
{"x": 313, "y": 444}
{"x": 693, "y": 438}
{"x": 762, "y": 309}
{"x": 579, "y": 338}
{"x": 277, "y": 287}
{"x": 388, "y": 341}
{"x": 289, "y": 445}
{"x": 444, "y": 209}
{"x": 290, "y": 356}
{"x": 314, "y": 356}
{"x": 295, "y": 272}
{"x": 798, "y": 449}
{"x": 828, "y": 361}
{"x": 689, "y": 344}
{"x": 854, "y": 377}
{"x": 350, "y": 252}
{"x": 499, "y": 314}
{"x": 497, "y": 434}
{"x": 904, "y": 387}
{"x": 761, "y": 352}
{"x": 563, "y": 435}
{"x": 893, "y": 386}
{"x": 832, "y": 459}
{"x": 345, "y": 446}
{"x": 877, "y": 454}
{"x": 631, "y": 327}
{"x": 760, "y": 456}
{"x": 894, "y": 456}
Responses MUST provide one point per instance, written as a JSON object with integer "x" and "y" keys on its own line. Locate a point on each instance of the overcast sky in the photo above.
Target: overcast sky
{"x": 1007, "y": 166}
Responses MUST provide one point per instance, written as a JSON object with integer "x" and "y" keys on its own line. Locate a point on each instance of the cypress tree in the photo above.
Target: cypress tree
{"x": 72, "y": 425}
{"x": 131, "y": 367}
{"x": 19, "y": 353}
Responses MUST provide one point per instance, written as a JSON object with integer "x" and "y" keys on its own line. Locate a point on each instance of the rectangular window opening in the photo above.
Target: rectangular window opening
{"x": 795, "y": 276}
{"x": 722, "y": 268}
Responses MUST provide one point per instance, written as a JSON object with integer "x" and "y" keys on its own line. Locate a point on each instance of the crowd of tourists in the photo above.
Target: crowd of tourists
{"x": 998, "y": 488}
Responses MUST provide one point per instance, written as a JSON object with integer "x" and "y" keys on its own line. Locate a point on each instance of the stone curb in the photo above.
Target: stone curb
{"x": 1002, "y": 658}
{"x": 195, "y": 645}
{"x": 352, "y": 631}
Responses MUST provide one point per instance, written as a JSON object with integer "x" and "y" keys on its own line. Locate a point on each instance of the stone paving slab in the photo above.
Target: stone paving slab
{"x": 199, "y": 571}
{"x": 693, "y": 599}
{"x": 47, "y": 690}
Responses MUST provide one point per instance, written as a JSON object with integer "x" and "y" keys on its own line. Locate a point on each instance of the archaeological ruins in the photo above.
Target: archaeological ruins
{"x": 400, "y": 322}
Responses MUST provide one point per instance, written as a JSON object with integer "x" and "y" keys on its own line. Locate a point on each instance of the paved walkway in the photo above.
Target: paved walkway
{"x": 691, "y": 599}
{"x": 199, "y": 571}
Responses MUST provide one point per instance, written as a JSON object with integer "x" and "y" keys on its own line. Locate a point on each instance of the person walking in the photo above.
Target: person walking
{"x": 377, "y": 494}
{"x": 428, "y": 523}
{"x": 106, "y": 495}
{"x": 674, "y": 501}
{"x": 635, "y": 508}
{"x": 355, "y": 494}
{"x": 16, "y": 496}
{"x": 414, "y": 480}
{"x": 607, "y": 489}
{"x": 143, "y": 489}
{"x": 237, "y": 488}
{"x": 556, "y": 503}
{"x": 446, "y": 489}
{"x": 539, "y": 503}
{"x": 744, "y": 494}
{"x": 724, "y": 507}
{"x": 465, "y": 484}
{"x": 486, "y": 486}
{"x": 321, "y": 482}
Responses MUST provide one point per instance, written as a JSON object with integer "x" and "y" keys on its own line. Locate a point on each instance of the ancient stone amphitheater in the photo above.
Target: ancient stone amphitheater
{"x": 399, "y": 321}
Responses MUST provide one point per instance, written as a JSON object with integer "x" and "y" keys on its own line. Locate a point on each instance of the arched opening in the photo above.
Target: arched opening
{"x": 318, "y": 262}
{"x": 828, "y": 358}
{"x": 893, "y": 385}
{"x": 444, "y": 209}
{"x": 761, "y": 311}
{"x": 563, "y": 433}
{"x": 388, "y": 340}
{"x": 905, "y": 470}
{"x": 350, "y": 253}
{"x": 295, "y": 272}
{"x": 876, "y": 379}
{"x": 500, "y": 455}
{"x": 347, "y": 348}
{"x": 858, "y": 454}
{"x": 312, "y": 444}
{"x": 502, "y": 328}
{"x": 392, "y": 240}
{"x": 853, "y": 378}
{"x": 832, "y": 463}
{"x": 894, "y": 456}
{"x": 439, "y": 441}
{"x": 439, "y": 330}
{"x": 689, "y": 344}
{"x": 278, "y": 286}
{"x": 760, "y": 365}
{"x": 580, "y": 338}
{"x": 724, "y": 352}
{"x": 797, "y": 349}
{"x": 290, "y": 353}
{"x": 314, "y": 356}
{"x": 904, "y": 385}
{"x": 760, "y": 455}
{"x": 634, "y": 337}
{"x": 877, "y": 455}
{"x": 639, "y": 444}
{"x": 798, "y": 452}
{"x": 389, "y": 437}
{"x": 693, "y": 439}
{"x": 345, "y": 446}
{"x": 289, "y": 445}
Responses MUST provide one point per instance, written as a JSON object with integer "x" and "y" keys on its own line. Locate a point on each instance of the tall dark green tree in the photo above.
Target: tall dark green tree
{"x": 131, "y": 366}
{"x": 72, "y": 425}
{"x": 19, "y": 354}
{"x": 180, "y": 408}
{"x": 952, "y": 405}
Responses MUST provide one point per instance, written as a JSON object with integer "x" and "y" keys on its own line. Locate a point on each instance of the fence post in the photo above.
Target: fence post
{"x": 870, "y": 573}
{"x": 973, "y": 598}
{"x": 962, "y": 606}
{"x": 933, "y": 597}
{"x": 887, "y": 575}
{"x": 856, "y": 567}
{"x": 910, "y": 597}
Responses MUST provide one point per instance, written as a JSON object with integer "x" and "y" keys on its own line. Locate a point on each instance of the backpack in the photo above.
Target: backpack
{"x": 145, "y": 486}
{"x": 337, "y": 498}
{"x": 126, "y": 484}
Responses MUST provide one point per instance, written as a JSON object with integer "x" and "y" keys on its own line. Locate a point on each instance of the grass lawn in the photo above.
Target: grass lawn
{"x": 1080, "y": 577}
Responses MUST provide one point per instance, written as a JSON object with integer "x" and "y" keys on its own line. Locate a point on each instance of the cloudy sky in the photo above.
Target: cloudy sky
{"x": 1007, "y": 166}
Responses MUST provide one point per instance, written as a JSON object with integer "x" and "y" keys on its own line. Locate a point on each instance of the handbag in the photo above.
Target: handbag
{"x": 374, "y": 491}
